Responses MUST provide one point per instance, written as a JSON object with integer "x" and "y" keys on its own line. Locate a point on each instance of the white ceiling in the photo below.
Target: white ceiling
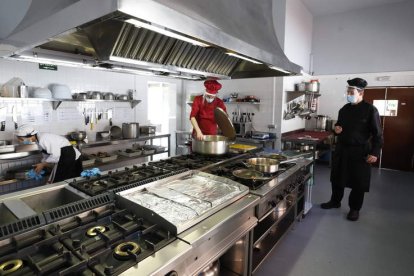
{"x": 326, "y": 7}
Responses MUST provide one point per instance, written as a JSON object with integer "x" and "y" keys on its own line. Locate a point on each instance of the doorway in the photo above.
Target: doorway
{"x": 162, "y": 102}
{"x": 396, "y": 107}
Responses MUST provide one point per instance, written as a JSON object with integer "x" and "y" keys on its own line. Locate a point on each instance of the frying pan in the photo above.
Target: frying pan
{"x": 247, "y": 174}
{"x": 266, "y": 165}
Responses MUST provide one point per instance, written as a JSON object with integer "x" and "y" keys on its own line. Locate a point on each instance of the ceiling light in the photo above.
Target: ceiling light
{"x": 132, "y": 70}
{"x": 161, "y": 70}
{"x": 163, "y": 31}
{"x": 38, "y": 59}
{"x": 128, "y": 60}
{"x": 186, "y": 77}
{"x": 278, "y": 69}
{"x": 245, "y": 58}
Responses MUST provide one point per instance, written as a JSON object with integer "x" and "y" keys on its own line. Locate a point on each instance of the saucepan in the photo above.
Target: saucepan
{"x": 266, "y": 165}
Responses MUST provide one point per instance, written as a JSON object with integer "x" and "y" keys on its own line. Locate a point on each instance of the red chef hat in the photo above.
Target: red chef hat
{"x": 212, "y": 86}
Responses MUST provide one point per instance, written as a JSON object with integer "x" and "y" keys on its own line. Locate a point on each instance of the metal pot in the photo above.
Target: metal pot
{"x": 321, "y": 122}
{"x": 96, "y": 95}
{"x": 211, "y": 144}
{"x": 115, "y": 132}
{"x": 109, "y": 96}
{"x": 122, "y": 97}
{"x": 78, "y": 135}
{"x": 130, "y": 130}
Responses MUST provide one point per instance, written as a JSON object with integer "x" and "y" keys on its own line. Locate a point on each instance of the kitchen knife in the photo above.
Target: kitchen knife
{"x": 14, "y": 111}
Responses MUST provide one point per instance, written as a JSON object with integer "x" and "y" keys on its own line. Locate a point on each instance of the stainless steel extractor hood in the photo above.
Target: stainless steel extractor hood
{"x": 191, "y": 39}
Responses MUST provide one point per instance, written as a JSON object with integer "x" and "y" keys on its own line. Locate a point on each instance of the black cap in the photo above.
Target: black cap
{"x": 358, "y": 82}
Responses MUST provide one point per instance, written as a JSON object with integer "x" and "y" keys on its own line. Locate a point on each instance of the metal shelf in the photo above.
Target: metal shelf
{"x": 56, "y": 102}
{"x": 291, "y": 95}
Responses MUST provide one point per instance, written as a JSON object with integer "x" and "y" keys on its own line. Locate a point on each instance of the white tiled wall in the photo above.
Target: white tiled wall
{"x": 69, "y": 116}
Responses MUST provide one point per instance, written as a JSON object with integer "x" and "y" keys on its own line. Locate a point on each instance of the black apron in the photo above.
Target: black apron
{"x": 68, "y": 166}
{"x": 350, "y": 168}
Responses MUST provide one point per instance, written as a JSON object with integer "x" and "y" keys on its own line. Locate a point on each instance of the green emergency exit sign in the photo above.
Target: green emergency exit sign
{"x": 45, "y": 66}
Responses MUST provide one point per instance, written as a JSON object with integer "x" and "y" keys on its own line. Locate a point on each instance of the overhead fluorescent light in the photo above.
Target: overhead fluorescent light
{"x": 163, "y": 31}
{"x": 278, "y": 69}
{"x": 55, "y": 61}
{"x": 128, "y": 60}
{"x": 132, "y": 70}
{"x": 159, "y": 69}
{"x": 186, "y": 77}
{"x": 243, "y": 57}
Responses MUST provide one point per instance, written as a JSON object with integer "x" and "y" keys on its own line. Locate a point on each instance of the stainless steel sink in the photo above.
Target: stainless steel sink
{"x": 5, "y": 215}
{"x": 51, "y": 199}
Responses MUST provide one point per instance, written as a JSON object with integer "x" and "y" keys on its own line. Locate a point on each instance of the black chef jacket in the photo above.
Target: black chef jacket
{"x": 361, "y": 135}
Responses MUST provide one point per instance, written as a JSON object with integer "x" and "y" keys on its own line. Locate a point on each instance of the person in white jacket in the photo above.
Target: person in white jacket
{"x": 58, "y": 153}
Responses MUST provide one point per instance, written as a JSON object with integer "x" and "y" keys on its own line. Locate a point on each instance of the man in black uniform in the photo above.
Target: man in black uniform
{"x": 359, "y": 143}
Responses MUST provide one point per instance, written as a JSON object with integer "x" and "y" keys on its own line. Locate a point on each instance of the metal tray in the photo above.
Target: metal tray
{"x": 130, "y": 154}
{"x": 109, "y": 158}
{"x": 181, "y": 201}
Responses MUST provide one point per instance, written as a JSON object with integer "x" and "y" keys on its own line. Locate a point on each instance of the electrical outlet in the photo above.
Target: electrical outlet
{"x": 271, "y": 126}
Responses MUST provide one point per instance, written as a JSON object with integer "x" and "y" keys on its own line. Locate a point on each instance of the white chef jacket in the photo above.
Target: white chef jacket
{"x": 52, "y": 143}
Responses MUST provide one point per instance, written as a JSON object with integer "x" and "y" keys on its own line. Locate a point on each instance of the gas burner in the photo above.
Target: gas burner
{"x": 114, "y": 179}
{"x": 10, "y": 266}
{"x": 126, "y": 250}
{"x": 226, "y": 170}
{"x": 93, "y": 231}
{"x": 48, "y": 257}
{"x": 103, "y": 183}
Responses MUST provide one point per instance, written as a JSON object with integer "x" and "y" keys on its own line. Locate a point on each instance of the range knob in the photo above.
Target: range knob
{"x": 272, "y": 203}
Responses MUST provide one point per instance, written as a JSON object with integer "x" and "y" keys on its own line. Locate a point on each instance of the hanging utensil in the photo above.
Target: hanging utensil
{"x": 3, "y": 115}
{"x": 92, "y": 119}
{"x": 110, "y": 113}
{"x": 14, "y": 112}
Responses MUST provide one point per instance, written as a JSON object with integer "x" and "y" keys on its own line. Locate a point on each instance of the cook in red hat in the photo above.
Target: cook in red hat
{"x": 202, "y": 111}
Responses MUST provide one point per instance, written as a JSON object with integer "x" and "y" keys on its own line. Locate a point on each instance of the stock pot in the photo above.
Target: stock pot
{"x": 216, "y": 144}
{"x": 211, "y": 145}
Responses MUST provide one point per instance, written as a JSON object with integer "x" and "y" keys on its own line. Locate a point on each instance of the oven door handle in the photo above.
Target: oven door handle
{"x": 271, "y": 210}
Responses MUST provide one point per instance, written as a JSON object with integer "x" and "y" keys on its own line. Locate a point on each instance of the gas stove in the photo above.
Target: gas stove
{"x": 226, "y": 170}
{"x": 103, "y": 242}
{"x": 192, "y": 161}
{"x": 115, "y": 179}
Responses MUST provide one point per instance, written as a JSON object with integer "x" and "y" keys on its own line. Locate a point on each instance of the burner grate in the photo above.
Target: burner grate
{"x": 226, "y": 170}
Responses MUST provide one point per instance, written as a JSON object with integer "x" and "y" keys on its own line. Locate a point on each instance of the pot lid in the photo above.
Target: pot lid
{"x": 224, "y": 123}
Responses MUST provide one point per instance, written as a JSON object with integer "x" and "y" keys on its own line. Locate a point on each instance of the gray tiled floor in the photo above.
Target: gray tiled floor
{"x": 325, "y": 243}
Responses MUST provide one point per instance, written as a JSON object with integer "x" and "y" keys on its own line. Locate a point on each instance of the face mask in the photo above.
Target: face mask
{"x": 209, "y": 100}
{"x": 351, "y": 98}
{"x": 27, "y": 142}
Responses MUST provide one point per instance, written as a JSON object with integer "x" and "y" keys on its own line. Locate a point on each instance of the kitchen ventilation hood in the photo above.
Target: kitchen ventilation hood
{"x": 189, "y": 39}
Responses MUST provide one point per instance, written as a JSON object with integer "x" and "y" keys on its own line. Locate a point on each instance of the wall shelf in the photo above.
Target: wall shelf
{"x": 56, "y": 102}
{"x": 291, "y": 95}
